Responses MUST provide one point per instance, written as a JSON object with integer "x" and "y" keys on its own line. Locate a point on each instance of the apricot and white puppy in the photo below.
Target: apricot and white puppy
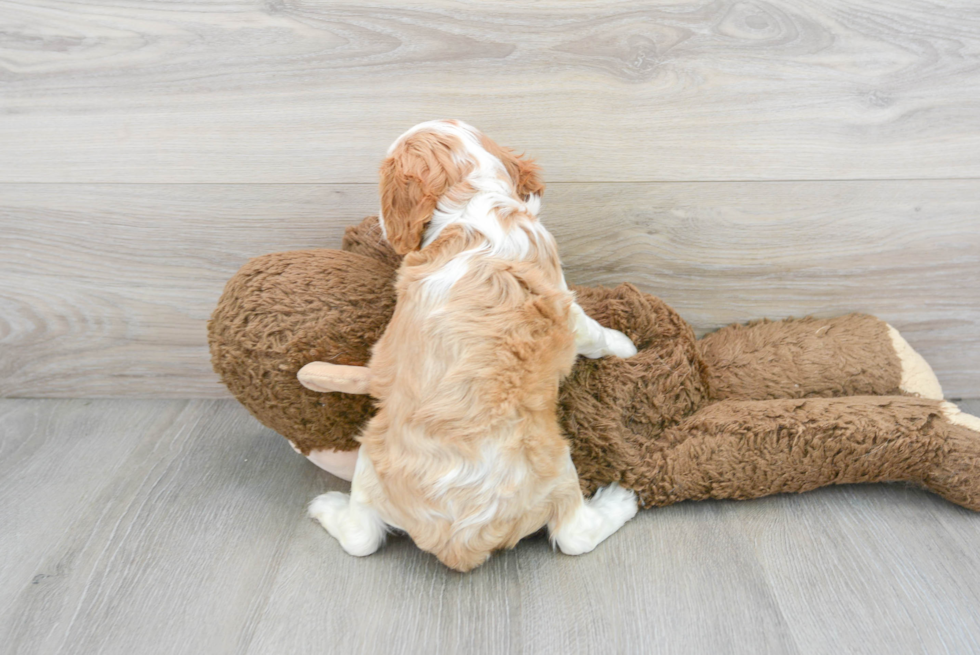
{"x": 465, "y": 453}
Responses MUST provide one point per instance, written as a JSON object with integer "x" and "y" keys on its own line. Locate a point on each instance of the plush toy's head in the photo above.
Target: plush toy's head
{"x": 284, "y": 310}
{"x": 438, "y": 166}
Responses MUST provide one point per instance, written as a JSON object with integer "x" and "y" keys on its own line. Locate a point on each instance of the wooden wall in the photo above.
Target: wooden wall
{"x": 739, "y": 159}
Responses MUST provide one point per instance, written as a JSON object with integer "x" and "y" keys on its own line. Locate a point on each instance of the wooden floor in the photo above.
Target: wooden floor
{"x": 176, "y": 526}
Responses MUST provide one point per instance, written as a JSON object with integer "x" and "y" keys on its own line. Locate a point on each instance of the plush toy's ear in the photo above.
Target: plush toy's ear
{"x": 523, "y": 171}
{"x": 327, "y": 378}
{"x": 419, "y": 171}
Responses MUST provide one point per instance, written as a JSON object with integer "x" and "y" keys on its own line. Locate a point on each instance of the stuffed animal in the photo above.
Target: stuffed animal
{"x": 747, "y": 411}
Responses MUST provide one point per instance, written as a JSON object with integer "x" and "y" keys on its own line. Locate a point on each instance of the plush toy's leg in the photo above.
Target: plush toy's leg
{"x": 340, "y": 463}
{"x": 594, "y": 341}
{"x": 580, "y": 524}
{"x": 747, "y": 449}
{"x": 352, "y": 520}
{"x": 957, "y": 478}
{"x": 849, "y": 355}
{"x": 327, "y": 378}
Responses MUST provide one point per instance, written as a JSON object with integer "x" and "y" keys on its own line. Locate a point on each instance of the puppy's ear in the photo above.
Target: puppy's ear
{"x": 527, "y": 177}
{"x": 523, "y": 171}
{"x": 419, "y": 171}
{"x": 407, "y": 203}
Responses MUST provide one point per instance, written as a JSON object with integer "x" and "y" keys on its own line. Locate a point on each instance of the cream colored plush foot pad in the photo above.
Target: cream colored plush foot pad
{"x": 917, "y": 375}
{"x": 956, "y": 416}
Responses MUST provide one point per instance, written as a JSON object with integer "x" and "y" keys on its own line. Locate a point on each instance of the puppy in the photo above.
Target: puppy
{"x": 465, "y": 452}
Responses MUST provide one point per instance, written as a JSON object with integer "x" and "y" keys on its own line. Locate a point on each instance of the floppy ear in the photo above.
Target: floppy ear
{"x": 414, "y": 177}
{"x": 523, "y": 171}
{"x": 407, "y": 203}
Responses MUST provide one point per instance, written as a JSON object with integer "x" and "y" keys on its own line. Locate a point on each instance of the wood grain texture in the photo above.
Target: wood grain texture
{"x": 181, "y": 534}
{"x": 106, "y": 290}
{"x": 825, "y": 598}
{"x": 290, "y": 91}
{"x": 174, "y": 527}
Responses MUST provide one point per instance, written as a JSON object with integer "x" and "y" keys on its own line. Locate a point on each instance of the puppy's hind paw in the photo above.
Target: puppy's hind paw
{"x": 357, "y": 527}
{"x": 328, "y": 509}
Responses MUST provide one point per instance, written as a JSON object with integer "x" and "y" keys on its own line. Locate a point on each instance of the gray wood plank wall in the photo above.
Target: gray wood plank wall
{"x": 738, "y": 159}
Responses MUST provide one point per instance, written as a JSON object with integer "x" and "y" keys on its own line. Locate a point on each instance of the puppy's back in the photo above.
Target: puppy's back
{"x": 466, "y": 441}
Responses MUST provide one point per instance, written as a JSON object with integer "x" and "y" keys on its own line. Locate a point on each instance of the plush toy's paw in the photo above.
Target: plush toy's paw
{"x": 357, "y": 527}
{"x": 619, "y": 344}
{"x": 596, "y": 519}
{"x": 956, "y": 416}
{"x": 917, "y": 376}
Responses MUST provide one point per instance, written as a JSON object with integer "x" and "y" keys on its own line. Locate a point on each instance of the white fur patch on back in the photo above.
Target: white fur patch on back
{"x": 492, "y": 471}
{"x": 485, "y": 483}
{"x": 917, "y": 376}
{"x": 437, "y": 285}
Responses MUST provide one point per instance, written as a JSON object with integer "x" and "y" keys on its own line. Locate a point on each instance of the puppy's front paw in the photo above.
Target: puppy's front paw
{"x": 618, "y": 504}
{"x": 619, "y": 344}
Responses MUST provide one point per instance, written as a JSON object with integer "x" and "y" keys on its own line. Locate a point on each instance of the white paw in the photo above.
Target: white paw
{"x": 357, "y": 527}
{"x": 596, "y": 519}
{"x": 619, "y": 344}
{"x": 328, "y": 509}
{"x": 617, "y": 504}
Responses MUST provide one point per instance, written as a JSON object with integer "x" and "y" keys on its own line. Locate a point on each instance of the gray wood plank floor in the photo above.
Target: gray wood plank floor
{"x": 176, "y": 526}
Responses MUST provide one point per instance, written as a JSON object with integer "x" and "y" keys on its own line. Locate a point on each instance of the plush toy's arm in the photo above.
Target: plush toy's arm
{"x": 748, "y": 449}
{"x": 326, "y": 378}
{"x": 849, "y": 355}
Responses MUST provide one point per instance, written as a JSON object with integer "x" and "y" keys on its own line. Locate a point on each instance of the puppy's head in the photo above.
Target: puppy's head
{"x": 445, "y": 162}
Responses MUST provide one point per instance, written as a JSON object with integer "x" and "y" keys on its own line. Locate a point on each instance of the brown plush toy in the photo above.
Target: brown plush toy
{"x": 748, "y": 411}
